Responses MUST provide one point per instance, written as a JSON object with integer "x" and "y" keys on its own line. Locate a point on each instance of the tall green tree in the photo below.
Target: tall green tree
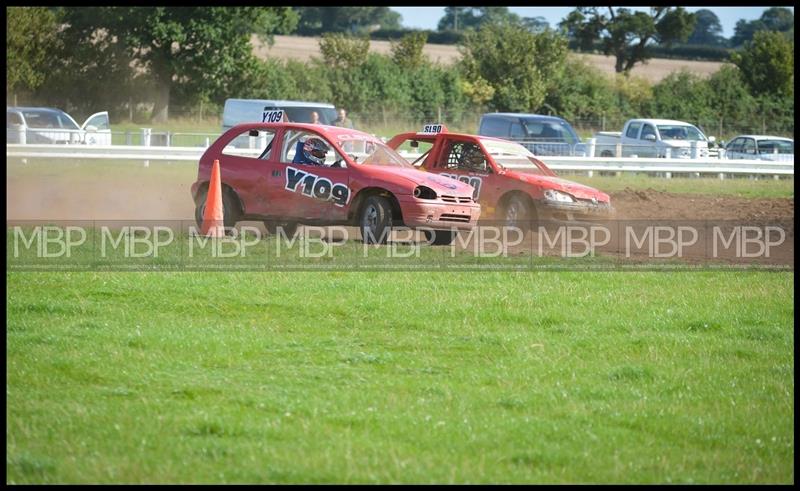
{"x": 767, "y": 64}
{"x": 707, "y": 29}
{"x": 627, "y": 34}
{"x": 407, "y": 52}
{"x": 204, "y": 50}
{"x": 353, "y": 20}
{"x": 516, "y": 63}
{"x": 30, "y": 39}
{"x": 772, "y": 19}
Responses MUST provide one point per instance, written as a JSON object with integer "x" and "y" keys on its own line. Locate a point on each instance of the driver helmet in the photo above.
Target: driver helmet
{"x": 473, "y": 157}
{"x": 314, "y": 149}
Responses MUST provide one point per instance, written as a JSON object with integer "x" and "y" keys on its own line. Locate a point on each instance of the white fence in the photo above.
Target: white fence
{"x": 664, "y": 167}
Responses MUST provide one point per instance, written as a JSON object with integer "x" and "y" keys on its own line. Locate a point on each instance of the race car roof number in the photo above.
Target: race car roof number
{"x": 432, "y": 129}
{"x": 275, "y": 116}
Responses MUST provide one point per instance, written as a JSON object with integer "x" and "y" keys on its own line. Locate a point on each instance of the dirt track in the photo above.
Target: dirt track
{"x": 304, "y": 48}
{"x": 153, "y": 197}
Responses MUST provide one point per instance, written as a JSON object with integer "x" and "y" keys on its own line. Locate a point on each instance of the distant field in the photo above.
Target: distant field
{"x": 303, "y": 48}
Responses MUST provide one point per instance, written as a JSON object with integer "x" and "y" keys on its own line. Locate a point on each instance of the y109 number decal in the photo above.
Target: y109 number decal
{"x": 274, "y": 116}
{"x": 473, "y": 181}
{"x": 317, "y": 187}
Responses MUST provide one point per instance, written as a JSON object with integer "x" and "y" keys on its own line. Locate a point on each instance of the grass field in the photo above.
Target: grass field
{"x": 400, "y": 377}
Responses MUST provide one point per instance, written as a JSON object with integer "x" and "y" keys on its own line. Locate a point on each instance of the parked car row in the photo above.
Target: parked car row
{"x": 550, "y": 135}
{"x": 541, "y": 135}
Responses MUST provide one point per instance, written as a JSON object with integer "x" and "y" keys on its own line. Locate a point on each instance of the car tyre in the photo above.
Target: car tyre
{"x": 230, "y": 211}
{"x": 375, "y": 220}
{"x": 518, "y": 212}
{"x": 440, "y": 237}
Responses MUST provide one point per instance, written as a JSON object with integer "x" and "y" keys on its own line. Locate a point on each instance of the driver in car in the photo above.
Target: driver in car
{"x": 310, "y": 152}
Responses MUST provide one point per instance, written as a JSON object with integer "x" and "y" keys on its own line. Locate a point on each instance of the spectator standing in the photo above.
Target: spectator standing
{"x": 343, "y": 120}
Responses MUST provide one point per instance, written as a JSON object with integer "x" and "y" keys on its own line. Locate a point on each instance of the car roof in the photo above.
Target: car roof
{"x": 662, "y": 121}
{"x": 523, "y": 115}
{"x": 418, "y": 135}
{"x": 763, "y": 137}
{"x": 31, "y": 109}
{"x": 326, "y": 130}
{"x": 277, "y": 102}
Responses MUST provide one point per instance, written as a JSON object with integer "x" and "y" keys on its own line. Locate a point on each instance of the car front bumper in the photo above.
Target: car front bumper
{"x": 434, "y": 215}
{"x": 578, "y": 210}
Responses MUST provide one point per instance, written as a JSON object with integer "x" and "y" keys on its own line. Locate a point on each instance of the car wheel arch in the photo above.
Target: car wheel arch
{"x": 502, "y": 203}
{"x": 361, "y": 197}
{"x": 226, "y": 190}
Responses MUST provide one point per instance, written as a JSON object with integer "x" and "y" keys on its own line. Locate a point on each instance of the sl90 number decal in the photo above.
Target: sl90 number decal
{"x": 432, "y": 128}
{"x": 473, "y": 181}
{"x": 317, "y": 187}
{"x": 272, "y": 116}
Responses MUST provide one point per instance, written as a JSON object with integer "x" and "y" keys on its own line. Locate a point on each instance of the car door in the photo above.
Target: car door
{"x": 97, "y": 129}
{"x": 646, "y": 148}
{"x": 304, "y": 191}
{"x": 734, "y": 149}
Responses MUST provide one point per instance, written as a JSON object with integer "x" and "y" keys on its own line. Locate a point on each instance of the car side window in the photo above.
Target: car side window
{"x": 736, "y": 145}
{"x": 254, "y": 144}
{"x": 100, "y": 122}
{"x": 464, "y": 156}
{"x": 749, "y": 146}
{"x": 633, "y": 130}
{"x": 647, "y": 130}
{"x": 517, "y": 131}
{"x": 13, "y": 118}
{"x": 293, "y": 142}
{"x": 494, "y": 127}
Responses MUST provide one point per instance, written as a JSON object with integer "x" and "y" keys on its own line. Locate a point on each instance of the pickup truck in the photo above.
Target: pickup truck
{"x": 663, "y": 138}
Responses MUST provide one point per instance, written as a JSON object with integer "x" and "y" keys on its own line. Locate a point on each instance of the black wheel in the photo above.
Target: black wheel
{"x": 517, "y": 212}
{"x": 440, "y": 237}
{"x": 289, "y": 228}
{"x": 230, "y": 212}
{"x": 606, "y": 153}
{"x": 375, "y": 220}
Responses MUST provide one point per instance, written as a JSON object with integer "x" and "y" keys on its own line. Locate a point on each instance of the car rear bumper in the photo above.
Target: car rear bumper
{"x": 417, "y": 213}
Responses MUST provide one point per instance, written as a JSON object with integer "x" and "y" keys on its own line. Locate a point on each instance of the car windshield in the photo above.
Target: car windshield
{"x": 367, "y": 150}
{"x": 514, "y": 156}
{"x": 776, "y": 146}
{"x": 48, "y": 119}
{"x": 549, "y": 131}
{"x": 680, "y": 132}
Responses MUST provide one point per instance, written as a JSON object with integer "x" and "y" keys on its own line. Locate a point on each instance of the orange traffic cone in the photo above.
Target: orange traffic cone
{"x": 213, "y": 217}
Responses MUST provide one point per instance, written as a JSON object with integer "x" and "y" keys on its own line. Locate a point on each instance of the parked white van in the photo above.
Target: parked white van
{"x": 248, "y": 110}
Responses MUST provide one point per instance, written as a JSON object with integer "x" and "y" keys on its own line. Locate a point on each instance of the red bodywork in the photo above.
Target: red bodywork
{"x": 259, "y": 186}
{"x": 495, "y": 185}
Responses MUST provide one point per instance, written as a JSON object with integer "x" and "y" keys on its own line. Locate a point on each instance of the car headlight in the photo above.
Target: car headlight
{"x": 424, "y": 192}
{"x": 554, "y": 195}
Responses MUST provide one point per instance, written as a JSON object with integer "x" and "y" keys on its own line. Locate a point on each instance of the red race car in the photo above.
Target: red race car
{"x": 324, "y": 175}
{"x": 510, "y": 183}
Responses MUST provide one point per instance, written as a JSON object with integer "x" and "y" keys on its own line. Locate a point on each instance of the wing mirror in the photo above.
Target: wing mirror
{"x": 650, "y": 138}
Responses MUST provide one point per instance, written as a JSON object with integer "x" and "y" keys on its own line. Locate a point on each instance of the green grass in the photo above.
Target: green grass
{"x": 400, "y": 377}
{"x": 743, "y": 187}
{"x": 183, "y": 172}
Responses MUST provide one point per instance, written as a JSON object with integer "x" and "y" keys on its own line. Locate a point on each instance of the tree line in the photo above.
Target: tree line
{"x": 109, "y": 57}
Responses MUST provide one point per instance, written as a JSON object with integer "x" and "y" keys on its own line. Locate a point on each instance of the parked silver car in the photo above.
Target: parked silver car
{"x": 48, "y": 125}
{"x": 761, "y": 147}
